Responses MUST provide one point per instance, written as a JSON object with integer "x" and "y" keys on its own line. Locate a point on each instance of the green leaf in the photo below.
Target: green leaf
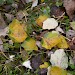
{"x": 29, "y": 44}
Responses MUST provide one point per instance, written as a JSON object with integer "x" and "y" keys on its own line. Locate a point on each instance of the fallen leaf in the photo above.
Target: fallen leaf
{"x": 63, "y": 44}
{"x": 70, "y": 34}
{"x": 45, "y": 65}
{"x": 50, "y": 40}
{"x": 29, "y": 44}
{"x": 27, "y": 64}
{"x": 16, "y": 31}
{"x": 57, "y": 11}
{"x": 2, "y": 22}
{"x": 27, "y": 1}
{"x": 70, "y": 8}
{"x": 59, "y": 29}
{"x": 59, "y": 58}
{"x": 41, "y": 19}
{"x": 71, "y": 44}
{"x": 36, "y": 61}
{"x": 21, "y": 14}
{"x": 50, "y": 23}
{"x": 42, "y": 0}
{"x": 72, "y": 24}
{"x": 9, "y": 17}
{"x": 56, "y": 71}
{"x": 4, "y": 32}
{"x": 35, "y": 2}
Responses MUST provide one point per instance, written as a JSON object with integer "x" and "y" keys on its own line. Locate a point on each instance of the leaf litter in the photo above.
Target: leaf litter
{"x": 37, "y": 42}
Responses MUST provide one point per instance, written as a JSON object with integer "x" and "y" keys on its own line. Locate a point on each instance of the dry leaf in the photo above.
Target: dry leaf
{"x": 59, "y": 58}
{"x": 4, "y": 32}
{"x": 59, "y": 29}
{"x": 50, "y": 23}
{"x": 27, "y": 64}
{"x": 35, "y": 2}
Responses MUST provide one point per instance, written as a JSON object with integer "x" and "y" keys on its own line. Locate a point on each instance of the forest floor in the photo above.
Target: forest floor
{"x": 37, "y": 37}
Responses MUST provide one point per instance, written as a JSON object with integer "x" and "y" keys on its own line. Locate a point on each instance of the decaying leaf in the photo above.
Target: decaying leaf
{"x": 56, "y": 71}
{"x": 70, "y": 8}
{"x": 21, "y": 14}
{"x": 41, "y": 19}
{"x": 43, "y": 71}
{"x": 59, "y": 58}
{"x": 36, "y": 61}
{"x": 9, "y": 17}
{"x": 63, "y": 43}
{"x": 50, "y": 23}
{"x": 29, "y": 44}
{"x": 50, "y": 40}
{"x": 57, "y": 11}
{"x": 16, "y": 31}
{"x": 45, "y": 65}
{"x": 72, "y": 44}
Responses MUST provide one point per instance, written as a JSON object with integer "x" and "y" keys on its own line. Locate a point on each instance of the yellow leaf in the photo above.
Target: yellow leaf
{"x": 45, "y": 65}
{"x": 63, "y": 43}
{"x": 42, "y": 0}
{"x": 41, "y": 19}
{"x": 29, "y": 44}
{"x": 57, "y": 71}
{"x": 50, "y": 40}
{"x": 16, "y": 31}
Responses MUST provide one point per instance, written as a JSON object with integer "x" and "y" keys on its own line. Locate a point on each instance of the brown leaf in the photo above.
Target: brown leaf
{"x": 2, "y": 22}
{"x": 57, "y": 11}
{"x": 72, "y": 44}
{"x": 70, "y": 8}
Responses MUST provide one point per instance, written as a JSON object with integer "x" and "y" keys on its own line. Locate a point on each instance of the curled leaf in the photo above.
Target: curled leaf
{"x": 16, "y": 31}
